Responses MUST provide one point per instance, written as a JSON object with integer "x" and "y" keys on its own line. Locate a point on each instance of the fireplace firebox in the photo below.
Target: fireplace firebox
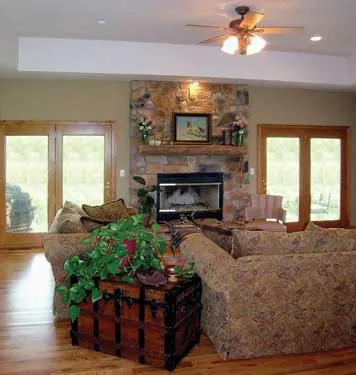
{"x": 197, "y": 195}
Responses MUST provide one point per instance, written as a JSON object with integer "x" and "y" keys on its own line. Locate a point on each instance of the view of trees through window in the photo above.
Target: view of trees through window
{"x": 283, "y": 167}
{"x": 26, "y": 183}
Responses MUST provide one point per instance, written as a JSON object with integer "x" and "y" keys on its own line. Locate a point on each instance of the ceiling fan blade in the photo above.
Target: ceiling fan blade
{"x": 278, "y": 30}
{"x": 251, "y": 19}
{"x": 207, "y": 26}
{"x": 213, "y": 39}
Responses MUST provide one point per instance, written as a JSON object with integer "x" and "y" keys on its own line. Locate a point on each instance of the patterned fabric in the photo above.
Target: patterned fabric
{"x": 74, "y": 207}
{"x": 222, "y": 238}
{"x": 266, "y": 242}
{"x": 109, "y": 211}
{"x": 91, "y": 223}
{"x": 69, "y": 219}
{"x": 339, "y": 238}
{"x": 263, "y": 242}
{"x": 270, "y": 304}
{"x": 57, "y": 248}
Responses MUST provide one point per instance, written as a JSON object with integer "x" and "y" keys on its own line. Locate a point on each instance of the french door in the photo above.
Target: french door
{"x": 308, "y": 166}
{"x": 45, "y": 164}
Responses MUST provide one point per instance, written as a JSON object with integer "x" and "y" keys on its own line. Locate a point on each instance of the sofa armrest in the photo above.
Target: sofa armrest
{"x": 212, "y": 264}
{"x": 59, "y": 247}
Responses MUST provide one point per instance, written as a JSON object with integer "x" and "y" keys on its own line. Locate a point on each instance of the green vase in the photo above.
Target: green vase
{"x": 144, "y": 139}
{"x": 239, "y": 139}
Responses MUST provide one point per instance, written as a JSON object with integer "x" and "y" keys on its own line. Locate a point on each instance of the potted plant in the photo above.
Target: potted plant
{"x": 110, "y": 257}
{"x": 147, "y": 204}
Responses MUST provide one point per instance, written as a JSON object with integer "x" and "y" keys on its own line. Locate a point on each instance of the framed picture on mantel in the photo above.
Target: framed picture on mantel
{"x": 192, "y": 128}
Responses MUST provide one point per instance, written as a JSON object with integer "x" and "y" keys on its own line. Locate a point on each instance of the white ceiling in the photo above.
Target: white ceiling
{"x": 162, "y": 21}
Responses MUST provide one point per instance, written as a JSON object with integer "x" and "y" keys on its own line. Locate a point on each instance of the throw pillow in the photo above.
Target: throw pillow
{"x": 91, "y": 223}
{"x": 313, "y": 227}
{"x": 74, "y": 207}
{"x": 110, "y": 211}
{"x": 69, "y": 221}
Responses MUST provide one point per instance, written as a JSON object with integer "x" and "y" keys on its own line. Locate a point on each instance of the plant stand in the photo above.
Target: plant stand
{"x": 156, "y": 326}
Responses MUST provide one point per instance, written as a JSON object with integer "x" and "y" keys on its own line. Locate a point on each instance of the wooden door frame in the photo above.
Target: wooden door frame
{"x": 49, "y": 127}
{"x": 104, "y": 128}
{"x": 305, "y": 132}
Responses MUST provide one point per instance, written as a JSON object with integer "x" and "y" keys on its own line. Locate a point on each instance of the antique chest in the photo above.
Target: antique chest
{"x": 153, "y": 325}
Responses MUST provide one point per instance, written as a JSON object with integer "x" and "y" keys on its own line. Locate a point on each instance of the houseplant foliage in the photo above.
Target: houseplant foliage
{"x": 146, "y": 203}
{"x": 109, "y": 257}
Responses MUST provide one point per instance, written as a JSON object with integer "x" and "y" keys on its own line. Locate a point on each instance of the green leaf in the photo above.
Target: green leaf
{"x": 67, "y": 266}
{"x": 155, "y": 228}
{"x": 89, "y": 285}
{"x": 156, "y": 263}
{"x": 161, "y": 245}
{"x": 113, "y": 267}
{"x": 127, "y": 279}
{"x": 142, "y": 192}
{"x": 73, "y": 312}
{"x": 139, "y": 179}
{"x": 86, "y": 241}
{"x": 62, "y": 290}
{"x": 96, "y": 294}
{"x": 104, "y": 273}
{"x": 179, "y": 270}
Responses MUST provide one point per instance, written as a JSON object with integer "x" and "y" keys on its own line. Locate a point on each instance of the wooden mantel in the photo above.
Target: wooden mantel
{"x": 192, "y": 150}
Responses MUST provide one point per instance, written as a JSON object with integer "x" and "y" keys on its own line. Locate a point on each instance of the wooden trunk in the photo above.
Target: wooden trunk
{"x": 156, "y": 326}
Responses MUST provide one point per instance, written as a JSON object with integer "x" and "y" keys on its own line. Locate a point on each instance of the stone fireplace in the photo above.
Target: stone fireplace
{"x": 158, "y": 100}
{"x": 197, "y": 195}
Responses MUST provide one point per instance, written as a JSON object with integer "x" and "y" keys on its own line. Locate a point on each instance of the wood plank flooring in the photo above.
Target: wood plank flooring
{"x": 30, "y": 343}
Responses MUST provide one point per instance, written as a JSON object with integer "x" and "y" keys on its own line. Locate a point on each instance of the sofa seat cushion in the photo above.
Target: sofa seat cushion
{"x": 336, "y": 239}
{"x": 68, "y": 219}
{"x": 110, "y": 211}
{"x": 265, "y": 242}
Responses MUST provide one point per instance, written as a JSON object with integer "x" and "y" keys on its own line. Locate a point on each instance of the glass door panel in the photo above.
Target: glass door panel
{"x": 325, "y": 182}
{"x": 83, "y": 169}
{"x": 308, "y": 166}
{"x": 282, "y": 173}
{"x": 26, "y": 184}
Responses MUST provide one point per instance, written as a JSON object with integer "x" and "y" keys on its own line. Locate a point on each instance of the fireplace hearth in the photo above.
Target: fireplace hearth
{"x": 197, "y": 195}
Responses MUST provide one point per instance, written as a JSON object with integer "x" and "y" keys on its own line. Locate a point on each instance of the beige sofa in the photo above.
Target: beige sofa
{"x": 58, "y": 247}
{"x": 61, "y": 244}
{"x": 270, "y": 293}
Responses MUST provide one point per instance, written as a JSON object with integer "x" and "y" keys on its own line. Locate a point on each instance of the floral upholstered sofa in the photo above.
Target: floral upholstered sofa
{"x": 267, "y": 293}
{"x": 64, "y": 239}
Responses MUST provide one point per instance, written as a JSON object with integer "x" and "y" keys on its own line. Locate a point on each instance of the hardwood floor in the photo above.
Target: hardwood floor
{"x": 30, "y": 343}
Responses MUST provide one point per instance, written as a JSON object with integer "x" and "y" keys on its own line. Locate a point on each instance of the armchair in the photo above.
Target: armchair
{"x": 263, "y": 208}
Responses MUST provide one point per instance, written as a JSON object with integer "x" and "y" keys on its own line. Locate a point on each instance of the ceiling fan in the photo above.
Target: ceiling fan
{"x": 243, "y": 34}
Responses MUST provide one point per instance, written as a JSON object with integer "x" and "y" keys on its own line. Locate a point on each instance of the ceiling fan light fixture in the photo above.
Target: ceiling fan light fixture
{"x": 230, "y": 45}
{"x": 257, "y": 44}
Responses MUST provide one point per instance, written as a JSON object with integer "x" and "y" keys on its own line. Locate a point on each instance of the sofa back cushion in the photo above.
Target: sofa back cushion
{"x": 247, "y": 242}
{"x": 336, "y": 239}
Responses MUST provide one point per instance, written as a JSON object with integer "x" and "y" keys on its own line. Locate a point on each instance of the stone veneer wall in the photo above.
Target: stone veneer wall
{"x": 159, "y": 100}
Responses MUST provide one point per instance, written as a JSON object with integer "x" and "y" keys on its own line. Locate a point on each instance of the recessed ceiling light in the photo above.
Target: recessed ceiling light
{"x": 316, "y": 38}
{"x": 102, "y": 22}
